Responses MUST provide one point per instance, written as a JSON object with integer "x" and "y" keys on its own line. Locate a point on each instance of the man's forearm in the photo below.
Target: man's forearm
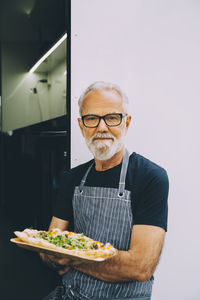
{"x": 125, "y": 266}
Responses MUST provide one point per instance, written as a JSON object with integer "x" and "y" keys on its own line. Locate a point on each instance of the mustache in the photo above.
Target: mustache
{"x": 103, "y": 135}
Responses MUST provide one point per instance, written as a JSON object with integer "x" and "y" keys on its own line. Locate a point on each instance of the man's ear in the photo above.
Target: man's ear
{"x": 128, "y": 121}
{"x": 80, "y": 123}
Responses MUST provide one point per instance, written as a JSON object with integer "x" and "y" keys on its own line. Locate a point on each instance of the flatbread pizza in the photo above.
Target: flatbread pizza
{"x": 67, "y": 242}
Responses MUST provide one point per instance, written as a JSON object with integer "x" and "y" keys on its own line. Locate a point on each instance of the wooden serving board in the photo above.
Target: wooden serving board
{"x": 57, "y": 253}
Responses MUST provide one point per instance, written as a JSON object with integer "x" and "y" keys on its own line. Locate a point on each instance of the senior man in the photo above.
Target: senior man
{"x": 117, "y": 197}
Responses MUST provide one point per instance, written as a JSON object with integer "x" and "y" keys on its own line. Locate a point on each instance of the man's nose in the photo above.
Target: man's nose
{"x": 102, "y": 126}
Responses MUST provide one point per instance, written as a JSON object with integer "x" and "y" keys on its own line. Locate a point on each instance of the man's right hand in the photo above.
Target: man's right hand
{"x": 62, "y": 265}
{"x": 50, "y": 262}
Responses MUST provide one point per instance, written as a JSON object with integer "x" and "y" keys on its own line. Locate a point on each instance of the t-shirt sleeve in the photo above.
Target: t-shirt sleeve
{"x": 63, "y": 204}
{"x": 152, "y": 204}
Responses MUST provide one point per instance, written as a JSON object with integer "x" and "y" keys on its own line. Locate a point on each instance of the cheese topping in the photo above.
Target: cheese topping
{"x": 69, "y": 240}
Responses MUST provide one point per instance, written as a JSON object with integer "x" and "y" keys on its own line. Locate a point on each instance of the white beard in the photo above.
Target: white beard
{"x": 105, "y": 149}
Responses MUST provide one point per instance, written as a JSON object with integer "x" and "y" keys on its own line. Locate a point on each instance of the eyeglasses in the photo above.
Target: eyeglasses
{"x": 111, "y": 120}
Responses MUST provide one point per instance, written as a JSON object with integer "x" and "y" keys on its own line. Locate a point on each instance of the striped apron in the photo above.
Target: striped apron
{"x": 104, "y": 214}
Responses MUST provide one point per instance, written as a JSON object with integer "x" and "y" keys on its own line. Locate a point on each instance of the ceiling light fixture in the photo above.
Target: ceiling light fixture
{"x": 48, "y": 53}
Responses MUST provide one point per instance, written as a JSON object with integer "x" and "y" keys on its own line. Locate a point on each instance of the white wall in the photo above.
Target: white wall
{"x": 151, "y": 49}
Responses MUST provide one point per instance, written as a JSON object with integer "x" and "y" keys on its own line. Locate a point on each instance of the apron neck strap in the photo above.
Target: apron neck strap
{"x": 122, "y": 174}
{"x": 84, "y": 177}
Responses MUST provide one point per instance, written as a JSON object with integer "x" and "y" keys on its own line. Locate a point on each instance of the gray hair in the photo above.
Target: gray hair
{"x": 102, "y": 85}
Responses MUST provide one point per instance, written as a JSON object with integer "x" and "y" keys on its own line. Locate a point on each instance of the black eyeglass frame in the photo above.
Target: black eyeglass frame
{"x": 122, "y": 115}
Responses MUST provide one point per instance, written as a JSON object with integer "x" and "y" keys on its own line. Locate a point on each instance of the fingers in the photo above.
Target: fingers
{"x": 77, "y": 262}
{"x": 55, "y": 263}
{"x": 42, "y": 255}
{"x": 60, "y": 261}
{"x": 63, "y": 271}
{"x": 52, "y": 257}
{"x": 64, "y": 261}
{"x": 62, "y": 265}
{"x": 70, "y": 262}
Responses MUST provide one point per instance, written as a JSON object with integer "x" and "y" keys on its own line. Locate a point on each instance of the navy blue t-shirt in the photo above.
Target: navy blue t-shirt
{"x": 147, "y": 182}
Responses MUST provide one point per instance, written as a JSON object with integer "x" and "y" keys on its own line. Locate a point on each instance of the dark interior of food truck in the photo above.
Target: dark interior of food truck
{"x": 33, "y": 153}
